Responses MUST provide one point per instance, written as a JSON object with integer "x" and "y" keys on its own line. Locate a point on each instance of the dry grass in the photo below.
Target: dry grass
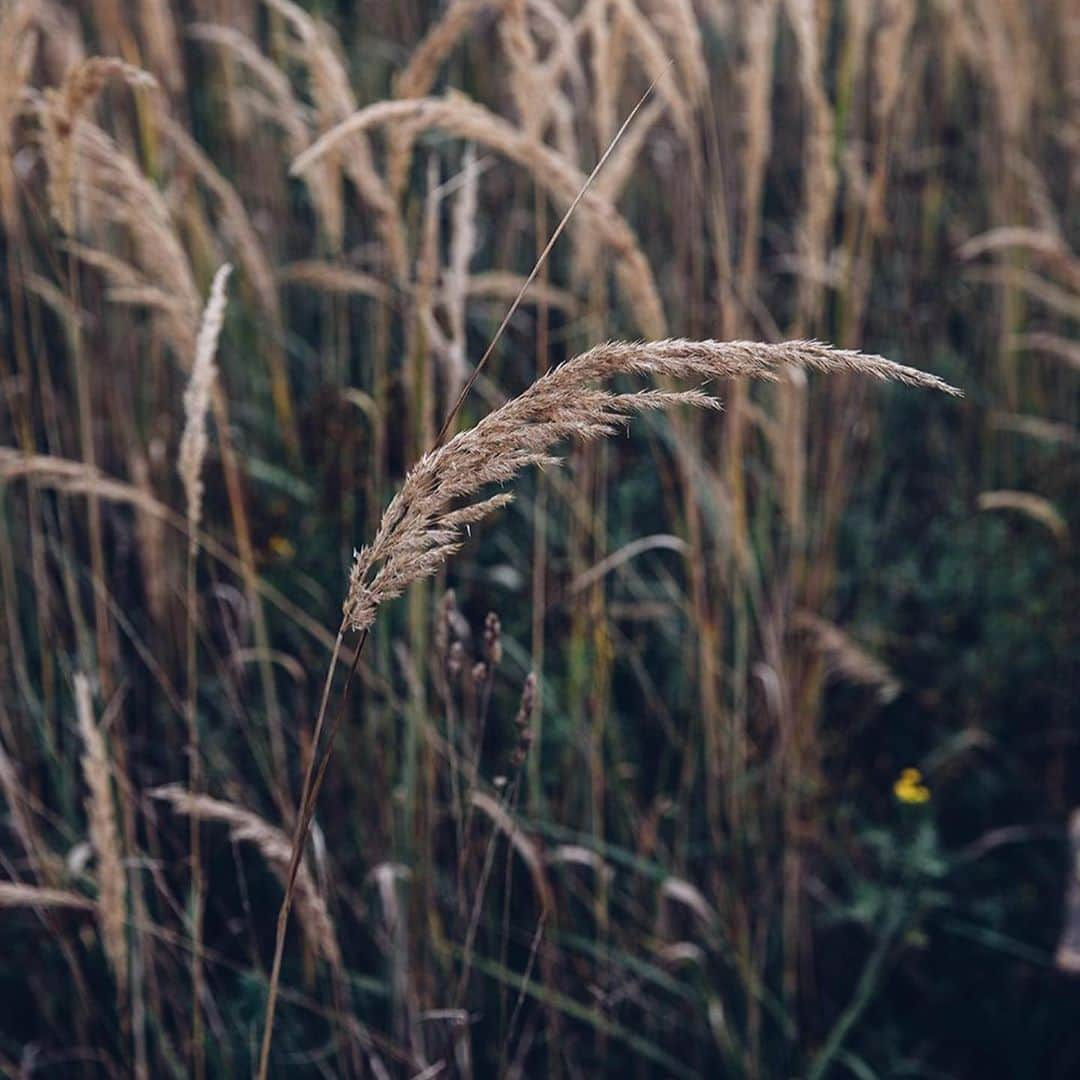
{"x": 423, "y": 525}
{"x": 190, "y": 458}
{"x": 1030, "y": 505}
{"x": 328, "y": 277}
{"x": 467, "y": 120}
{"x": 193, "y": 442}
{"x": 14, "y": 895}
{"x": 847, "y": 659}
{"x": 109, "y": 872}
{"x": 629, "y": 873}
{"x": 62, "y": 117}
{"x": 275, "y": 848}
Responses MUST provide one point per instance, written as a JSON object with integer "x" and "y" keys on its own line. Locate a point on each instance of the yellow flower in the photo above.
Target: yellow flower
{"x": 910, "y": 789}
{"x": 282, "y": 547}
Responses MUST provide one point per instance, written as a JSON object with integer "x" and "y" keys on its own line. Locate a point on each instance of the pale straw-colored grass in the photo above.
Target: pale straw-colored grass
{"x": 1029, "y": 505}
{"x": 104, "y": 837}
{"x": 416, "y": 79}
{"x": 334, "y": 102}
{"x": 427, "y": 520}
{"x": 334, "y": 279}
{"x": 819, "y": 173}
{"x": 845, "y": 658}
{"x": 525, "y": 76}
{"x": 193, "y": 442}
{"x": 44, "y": 862}
{"x": 16, "y": 895}
{"x": 232, "y": 220}
{"x": 504, "y": 285}
{"x": 280, "y": 108}
{"x": 162, "y": 47}
{"x": 456, "y": 278}
{"x": 754, "y": 79}
{"x": 527, "y": 848}
{"x": 62, "y": 113}
{"x": 192, "y": 454}
{"x": 70, "y": 477}
{"x": 467, "y": 120}
{"x": 442, "y": 495}
{"x": 275, "y": 847}
{"x": 113, "y": 193}
{"x": 647, "y": 45}
{"x": 18, "y": 49}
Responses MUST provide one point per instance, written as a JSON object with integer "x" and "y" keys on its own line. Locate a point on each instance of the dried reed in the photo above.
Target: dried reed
{"x": 503, "y": 285}
{"x": 421, "y": 527}
{"x": 334, "y": 102}
{"x": 18, "y": 48}
{"x": 754, "y": 77}
{"x": 416, "y": 79}
{"x": 104, "y": 837}
{"x": 331, "y": 278}
{"x": 14, "y": 894}
{"x": 819, "y": 172}
{"x": 651, "y": 52}
{"x": 162, "y": 48}
{"x": 285, "y": 111}
{"x": 1030, "y": 505}
{"x": 679, "y": 23}
{"x": 43, "y": 860}
{"x": 846, "y": 658}
{"x": 525, "y": 846}
{"x": 551, "y": 171}
{"x": 525, "y": 77}
{"x": 192, "y": 453}
{"x": 116, "y": 194}
{"x": 62, "y": 113}
{"x": 456, "y": 279}
{"x": 275, "y": 847}
{"x": 193, "y": 442}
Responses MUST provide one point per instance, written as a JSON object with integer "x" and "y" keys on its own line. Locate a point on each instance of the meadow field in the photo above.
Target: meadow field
{"x": 537, "y": 538}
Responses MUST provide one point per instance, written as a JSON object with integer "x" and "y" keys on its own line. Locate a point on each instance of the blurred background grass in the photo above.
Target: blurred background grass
{"x": 744, "y": 630}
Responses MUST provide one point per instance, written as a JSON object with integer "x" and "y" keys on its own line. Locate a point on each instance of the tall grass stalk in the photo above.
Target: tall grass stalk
{"x": 193, "y": 445}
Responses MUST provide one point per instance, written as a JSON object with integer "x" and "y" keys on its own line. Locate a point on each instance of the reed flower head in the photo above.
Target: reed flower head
{"x": 197, "y": 397}
{"x": 426, "y": 522}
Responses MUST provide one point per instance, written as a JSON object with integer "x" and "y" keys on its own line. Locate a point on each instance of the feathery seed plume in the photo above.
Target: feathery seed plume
{"x": 275, "y": 846}
{"x": 425, "y": 523}
{"x": 197, "y": 397}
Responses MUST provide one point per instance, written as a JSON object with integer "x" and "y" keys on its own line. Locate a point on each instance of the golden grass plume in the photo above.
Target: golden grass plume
{"x": 276, "y": 848}
{"x": 193, "y": 442}
{"x": 104, "y": 836}
{"x": 425, "y": 522}
{"x": 1032, "y": 506}
{"x": 62, "y": 111}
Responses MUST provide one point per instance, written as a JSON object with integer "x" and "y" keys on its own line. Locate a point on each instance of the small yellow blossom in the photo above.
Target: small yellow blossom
{"x": 282, "y": 547}
{"x": 910, "y": 789}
